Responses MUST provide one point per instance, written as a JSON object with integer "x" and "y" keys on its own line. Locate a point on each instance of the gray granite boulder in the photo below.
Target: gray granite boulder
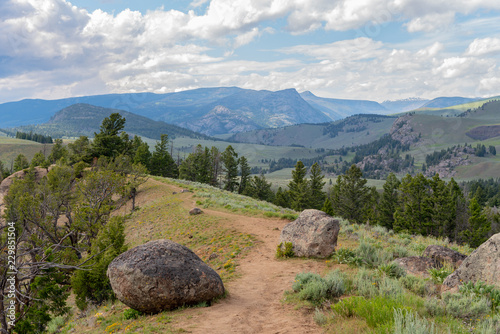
{"x": 313, "y": 234}
{"x": 482, "y": 265}
{"x": 417, "y": 265}
{"x": 162, "y": 275}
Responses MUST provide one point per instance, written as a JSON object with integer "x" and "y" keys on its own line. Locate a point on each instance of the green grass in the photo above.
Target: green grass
{"x": 211, "y": 197}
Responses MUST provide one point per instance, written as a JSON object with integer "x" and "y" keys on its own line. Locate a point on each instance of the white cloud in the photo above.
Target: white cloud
{"x": 50, "y": 43}
{"x": 483, "y": 46}
{"x": 431, "y": 22}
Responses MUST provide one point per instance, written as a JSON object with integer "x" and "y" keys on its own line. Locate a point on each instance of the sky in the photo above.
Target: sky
{"x": 351, "y": 49}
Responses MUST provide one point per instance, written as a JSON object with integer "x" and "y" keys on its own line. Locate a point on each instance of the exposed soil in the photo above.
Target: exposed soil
{"x": 254, "y": 304}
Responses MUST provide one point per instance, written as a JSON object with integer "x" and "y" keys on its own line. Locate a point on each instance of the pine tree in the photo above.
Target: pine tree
{"x": 328, "y": 207}
{"x": 143, "y": 155}
{"x": 479, "y": 226}
{"x": 108, "y": 142}
{"x": 299, "y": 188}
{"x": 351, "y": 196}
{"x": 415, "y": 212}
{"x": 388, "y": 201}
{"x": 259, "y": 188}
{"x": 245, "y": 174}
{"x": 316, "y": 183}
{"x": 162, "y": 163}
{"x": 230, "y": 166}
{"x": 282, "y": 198}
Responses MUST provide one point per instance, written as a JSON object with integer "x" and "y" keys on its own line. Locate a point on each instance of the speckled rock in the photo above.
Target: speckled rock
{"x": 312, "y": 234}
{"x": 417, "y": 265}
{"x": 444, "y": 255}
{"x": 195, "y": 211}
{"x": 482, "y": 265}
{"x": 162, "y": 275}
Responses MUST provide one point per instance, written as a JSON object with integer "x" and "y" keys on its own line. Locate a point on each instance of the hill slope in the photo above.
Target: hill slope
{"x": 337, "y": 109}
{"x": 85, "y": 119}
{"x": 354, "y": 130}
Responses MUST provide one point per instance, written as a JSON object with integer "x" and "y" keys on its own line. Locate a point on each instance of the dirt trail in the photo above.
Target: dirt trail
{"x": 254, "y": 303}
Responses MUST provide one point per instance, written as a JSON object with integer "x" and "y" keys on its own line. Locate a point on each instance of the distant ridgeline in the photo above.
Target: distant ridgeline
{"x": 355, "y": 123}
{"x": 39, "y": 138}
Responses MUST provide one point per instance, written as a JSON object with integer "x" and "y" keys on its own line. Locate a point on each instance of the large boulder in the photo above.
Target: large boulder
{"x": 162, "y": 275}
{"x": 482, "y": 265}
{"x": 195, "y": 211}
{"x": 312, "y": 234}
{"x": 6, "y": 183}
{"x": 417, "y": 265}
{"x": 444, "y": 255}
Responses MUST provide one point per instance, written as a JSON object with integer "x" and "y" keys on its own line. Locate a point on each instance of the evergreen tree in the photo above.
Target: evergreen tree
{"x": 316, "y": 183}
{"x": 162, "y": 163}
{"x": 299, "y": 188}
{"x": 415, "y": 212}
{"x": 259, "y": 188}
{"x": 479, "y": 226}
{"x": 38, "y": 160}
{"x": 58, "y": 151}
{"x": 328, "y": 207}
{"x": 388, "y": 201}
{"x": 79, "y": 150}
{"x": 143, "y": 155}
{"x": 245, "y": 174}
{"x": 351, "y": 196}
{"x": 229, "y": 160}
{"x": 21, "y": 162}
{"x": 282, "y": 198}
{"x": 442, "y": 207}
{"x": 108, "y": 142}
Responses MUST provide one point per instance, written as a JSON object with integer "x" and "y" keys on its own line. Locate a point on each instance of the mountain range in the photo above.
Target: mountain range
{"x": 220, "y": 110}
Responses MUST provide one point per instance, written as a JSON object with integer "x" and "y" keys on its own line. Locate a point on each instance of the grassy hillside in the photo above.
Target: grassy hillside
{"x": 355, "y": 130}
{"x": 10, "y": 148}
{"x": 269, "y": 290}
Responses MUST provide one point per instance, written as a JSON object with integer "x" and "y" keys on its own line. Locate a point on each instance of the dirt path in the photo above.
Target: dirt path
{"x": 254, "y": 303}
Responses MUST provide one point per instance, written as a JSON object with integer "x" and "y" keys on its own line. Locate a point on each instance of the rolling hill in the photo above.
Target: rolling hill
{"x": 85, "y": 119}
{"x": 337, "y": 109}
{"x": 352, "y": 131}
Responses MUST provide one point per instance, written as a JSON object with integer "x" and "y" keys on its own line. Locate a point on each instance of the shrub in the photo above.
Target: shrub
{"x": 481, "y": 289}
{"x": 405, "y": 322}
{"x": 366, "y": 283}
{"x": 319, "y": 317}
{"x": 371, "y": 256}
{"x": 489, "y": 326}
{"x": 465, "y": 306}
{"x": 55, "y": 324}
{"x": 390, "y": 288}
{"x": 399, "y": 251}
{"x": 287, "y": 252}
{"x": 314, "y": 288}
{"x": 438, "y": 275}
{"x": 93, "y": 285}
{"x": 434, "y": 307}
{"x": 414, "y": 284}
{"x": 392, "y": 270}
{"x": 346, "y": 256}
{"x": 131, "y": 314}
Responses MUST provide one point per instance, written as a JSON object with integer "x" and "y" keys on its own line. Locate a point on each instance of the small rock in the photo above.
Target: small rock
{"x": 444, "y": 255}
{"x": 195, "y": 211}
{"x": 174, "y": 193}
{"x": 213, "y": 256}
{"x": 185, "y": 191}
{"x": 417, "y": 265}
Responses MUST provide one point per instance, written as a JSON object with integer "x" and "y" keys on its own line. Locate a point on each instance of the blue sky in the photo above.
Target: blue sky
{"x": 364, "y": 49}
